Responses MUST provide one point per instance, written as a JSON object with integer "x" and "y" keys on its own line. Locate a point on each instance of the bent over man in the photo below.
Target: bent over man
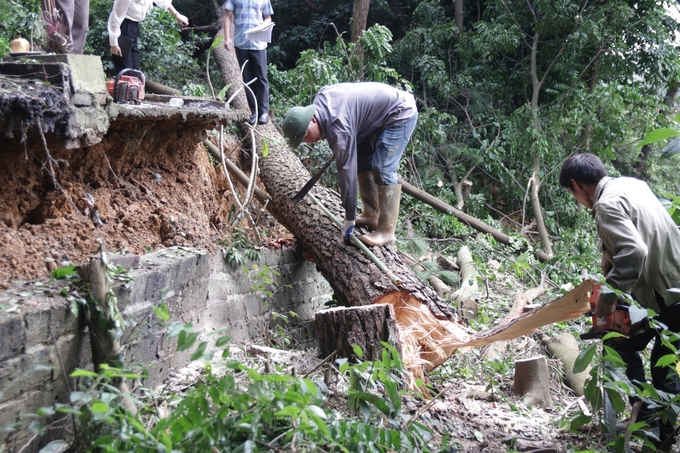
{"x": 367, "y": 125}
{"x": 641, "y": 256}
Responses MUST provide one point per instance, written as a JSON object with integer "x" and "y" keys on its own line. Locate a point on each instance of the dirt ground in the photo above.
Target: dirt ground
{"x": 167, "y": 197}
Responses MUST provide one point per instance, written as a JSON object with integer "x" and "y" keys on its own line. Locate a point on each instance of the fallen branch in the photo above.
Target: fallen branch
{"x": 478, "y": 225}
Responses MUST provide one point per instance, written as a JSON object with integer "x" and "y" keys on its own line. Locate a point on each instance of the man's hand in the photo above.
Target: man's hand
{"x": 115, "y": 50}
{"x": 604, "y": 309}
{"x": 228, "y": 45}
{"x": 182, "y": 19}
{"x": 347, "y": 229}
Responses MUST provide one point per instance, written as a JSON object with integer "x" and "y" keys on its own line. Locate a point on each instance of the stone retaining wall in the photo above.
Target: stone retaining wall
{"x": 38, "y": 331}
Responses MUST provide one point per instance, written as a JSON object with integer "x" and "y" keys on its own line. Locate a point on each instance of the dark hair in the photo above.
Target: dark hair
{"x": 586, "y": 168}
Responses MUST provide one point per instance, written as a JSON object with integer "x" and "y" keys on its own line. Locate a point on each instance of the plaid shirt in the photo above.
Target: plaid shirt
{"x": 248, "y": 14}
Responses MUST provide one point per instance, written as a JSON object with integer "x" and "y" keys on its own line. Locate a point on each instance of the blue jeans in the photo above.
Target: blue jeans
{"x": 383, "y": 160}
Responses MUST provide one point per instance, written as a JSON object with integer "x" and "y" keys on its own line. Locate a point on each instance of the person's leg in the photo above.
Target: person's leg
{"x": 665, "y": 378}
{"x": 258, "y": 59}
{"x": 130, "y": 30}
{"x": 81, "y": 17}
{"x": 135, "y": 62}
{"x": 66, "y": 8}
{"x": 389, "y": 147}
{"x": 243, "y": 57}
{"x": 368, "y": 190}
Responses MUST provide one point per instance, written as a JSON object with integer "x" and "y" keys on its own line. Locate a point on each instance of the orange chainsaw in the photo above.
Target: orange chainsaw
{"x": 619, "y": 321}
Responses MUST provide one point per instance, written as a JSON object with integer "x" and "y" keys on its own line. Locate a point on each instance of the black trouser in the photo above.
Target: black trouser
{"x": 664, "y": 378}
{"x": 128, "y": 29}
{"x": 256, "y": 68}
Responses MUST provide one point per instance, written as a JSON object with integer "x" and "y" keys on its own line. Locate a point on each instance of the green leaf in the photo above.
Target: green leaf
{"x": 63, "y": 272}
{"x": 265, "y": 147}
{"x": 358, "y": 351}
{"x": 222, "y": 341}
{"x": 186, "y": 340}
{"x": 100, "y": 407}
{"x": 671, "y": 149}
{"x": 615, "y": 398}
{"x": 373, "y": 399}
{"x": 83, "y": 373}
{"x": 658, "y": 135}
{"x": 199, "y": 351}
{"x": 585, "y": 358}
{"x": 593, "y": 394}
{"x": 290, "y": 411}
{"x": 667, "y": 360}
{"x": 162, "y": 312}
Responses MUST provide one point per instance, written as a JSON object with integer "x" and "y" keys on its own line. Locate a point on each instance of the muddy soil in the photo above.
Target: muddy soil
{"x": 135, "y": 195}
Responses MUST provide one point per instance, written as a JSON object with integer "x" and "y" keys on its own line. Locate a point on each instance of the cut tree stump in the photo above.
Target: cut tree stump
{"x": 532, "y": 381}
{"x": 340, "y": 328}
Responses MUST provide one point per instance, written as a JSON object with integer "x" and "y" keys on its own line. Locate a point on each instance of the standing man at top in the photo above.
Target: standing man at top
{"x": 368, "y": 126}
{"x": 124, "y": 21}
{"x": 240, "y": 16}
{"x": 75, "y": 15}
{"x": 641, "y": 256}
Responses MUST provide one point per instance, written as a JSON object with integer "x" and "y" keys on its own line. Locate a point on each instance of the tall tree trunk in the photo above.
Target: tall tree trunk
{"x": 359, "y": 18}
{"x": 229, "y": 68}
{"x": 535, "y": 184}
{"x": 458, "y": 7}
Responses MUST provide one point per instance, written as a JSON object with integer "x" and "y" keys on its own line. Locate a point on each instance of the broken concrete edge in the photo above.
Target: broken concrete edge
{"x": 89, "y": 109}
{"x": 197, "y": 287}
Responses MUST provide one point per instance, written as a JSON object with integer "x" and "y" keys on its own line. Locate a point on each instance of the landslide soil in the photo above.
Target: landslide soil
{"x": 147, "y": 197}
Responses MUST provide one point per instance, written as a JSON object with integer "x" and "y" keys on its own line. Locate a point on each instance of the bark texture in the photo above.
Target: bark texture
{"x": 339, "y": 329}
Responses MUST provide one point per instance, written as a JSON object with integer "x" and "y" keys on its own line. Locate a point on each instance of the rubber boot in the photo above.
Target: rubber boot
{"x": 388, "y": 197}
{"x": 368, "y": 190}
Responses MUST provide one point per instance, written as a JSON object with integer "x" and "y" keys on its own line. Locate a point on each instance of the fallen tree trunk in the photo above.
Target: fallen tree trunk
{"x": 478, "y": 225}
{"x": 355, "y": 280}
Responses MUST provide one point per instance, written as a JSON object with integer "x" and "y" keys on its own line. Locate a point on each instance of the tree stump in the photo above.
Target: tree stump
{"x": 533, "y": 381}
{"x": 340, "y": 328}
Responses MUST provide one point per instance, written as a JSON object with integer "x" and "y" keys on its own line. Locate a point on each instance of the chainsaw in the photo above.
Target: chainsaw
{"x": 619, "y": 321}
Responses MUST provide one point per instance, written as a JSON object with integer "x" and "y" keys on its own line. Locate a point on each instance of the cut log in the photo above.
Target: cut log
{"x": 495, "y": 350}
{"x": 468, "y": 276}
{"x": 339, "y": 329}
{"x": 532, "y": 381}
{"x": 565, "y": 348}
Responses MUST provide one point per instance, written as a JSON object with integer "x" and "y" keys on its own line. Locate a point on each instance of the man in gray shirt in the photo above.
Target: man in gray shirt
{"x": 641, "y": 256}
{"x": 368, "y": 126}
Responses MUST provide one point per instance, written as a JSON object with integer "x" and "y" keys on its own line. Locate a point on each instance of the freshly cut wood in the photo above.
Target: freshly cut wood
{"x": 468, "y": 276}
{"x": 532, "y": 381}
{"x": 570, "y": 306}
{"x": 338, "y": 329}
{"x": 495, "y": 350}
{"x": 565, "y": 348}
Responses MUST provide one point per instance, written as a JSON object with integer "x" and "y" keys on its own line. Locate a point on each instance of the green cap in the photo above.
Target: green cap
{"x": 295, "y": 123}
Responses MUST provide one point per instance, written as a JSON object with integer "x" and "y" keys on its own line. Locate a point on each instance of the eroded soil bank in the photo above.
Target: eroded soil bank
{"x": 152, "y": 183}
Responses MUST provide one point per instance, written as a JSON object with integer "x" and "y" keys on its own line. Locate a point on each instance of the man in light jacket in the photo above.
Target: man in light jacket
{"x": 641, "y": 257}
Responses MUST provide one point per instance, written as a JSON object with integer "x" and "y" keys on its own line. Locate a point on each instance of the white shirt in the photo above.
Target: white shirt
{"x": 135, "y": 10}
